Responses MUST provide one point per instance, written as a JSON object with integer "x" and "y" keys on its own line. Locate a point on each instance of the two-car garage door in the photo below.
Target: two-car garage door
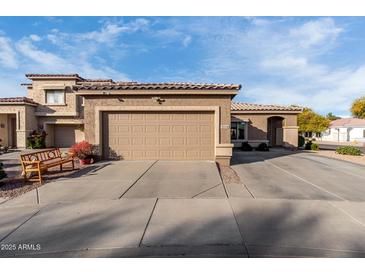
{"x": 159, "y": 135}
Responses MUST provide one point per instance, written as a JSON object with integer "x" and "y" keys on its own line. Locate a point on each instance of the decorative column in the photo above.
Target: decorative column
{"x": 290, "y": 136}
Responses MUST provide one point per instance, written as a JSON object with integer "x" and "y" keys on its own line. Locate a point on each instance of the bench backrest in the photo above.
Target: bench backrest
{"x": 42, "y": 155}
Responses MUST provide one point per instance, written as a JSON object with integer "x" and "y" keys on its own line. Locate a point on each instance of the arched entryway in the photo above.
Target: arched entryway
{"x": 275, "y": 130}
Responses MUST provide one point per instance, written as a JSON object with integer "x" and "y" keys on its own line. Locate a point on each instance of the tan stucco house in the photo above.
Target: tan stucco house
{"x": 131, "y": 120}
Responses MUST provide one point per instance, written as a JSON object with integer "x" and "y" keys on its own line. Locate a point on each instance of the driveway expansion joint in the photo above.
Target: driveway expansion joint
{"x": 243, "y": 243}
{"x": 148, "y": 222}
{"x": 23, "y": 223}
{"x": 304, "y": 180}
{"x": 140, "y": 177}
{"x": 347, "y": 214}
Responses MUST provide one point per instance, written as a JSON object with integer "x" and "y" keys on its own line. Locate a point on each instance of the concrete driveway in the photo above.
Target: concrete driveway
{"x": 284, "y": 175}
{"x": 288, "y": 205}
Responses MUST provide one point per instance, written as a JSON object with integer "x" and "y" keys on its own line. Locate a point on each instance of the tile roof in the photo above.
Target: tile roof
{"x": 236, "y": 106}
{"x": 348, "y": 122}
{"x": 156, "y": 86}
{"x": 21, "y": 100}
{"x": 83, "y": 81}
{"x": 36, "y": 75}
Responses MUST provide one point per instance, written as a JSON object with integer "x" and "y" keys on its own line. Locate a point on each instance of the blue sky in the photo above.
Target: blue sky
{"x": 310, "y": 61}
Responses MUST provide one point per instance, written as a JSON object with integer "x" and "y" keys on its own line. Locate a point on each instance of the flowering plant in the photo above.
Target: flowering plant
{"x": 82, "y": 150}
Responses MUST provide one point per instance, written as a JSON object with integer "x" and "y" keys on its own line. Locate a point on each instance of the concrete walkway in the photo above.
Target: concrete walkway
{"x": 172, "y": 209}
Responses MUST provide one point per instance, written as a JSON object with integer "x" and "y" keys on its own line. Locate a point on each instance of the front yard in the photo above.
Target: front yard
{"x": 348, "y": 158}
{"x": 14, "y": 184}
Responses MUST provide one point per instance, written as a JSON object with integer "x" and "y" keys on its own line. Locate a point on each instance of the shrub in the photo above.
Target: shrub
{"x": 311, "y": 146}
{"x": 246, "y": 146}
{"x": 2, "y": 172}
{"x": 262, "y": 147}
{"x": 82, "y": 150}
{"x": 36, "y": 140}
{"x": 314, "y": 147}
{"x": 301, "y": 141}
{"x": 348, "y": 150}
{"x": 308, "y": 145}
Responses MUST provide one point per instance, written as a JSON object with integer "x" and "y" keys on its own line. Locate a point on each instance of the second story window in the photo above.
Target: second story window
{"x": 55, "y": 97}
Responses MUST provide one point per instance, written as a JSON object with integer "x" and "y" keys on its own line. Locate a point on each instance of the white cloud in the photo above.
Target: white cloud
{"x": 47, "y": 62}
{"x": 280, "y": 62}
{"x": 186, "y": 41}
{"x": 315, "y": 32}
{"x": 46, "y": 59}
{"x": 171, "y": 35}
{"x": 35, "y": 37}
{"x": 7, "y": 54}
{"x": 111, "y": 31}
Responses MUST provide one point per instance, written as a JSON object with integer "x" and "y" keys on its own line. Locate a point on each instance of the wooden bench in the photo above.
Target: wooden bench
{"x": 39, "y": 162}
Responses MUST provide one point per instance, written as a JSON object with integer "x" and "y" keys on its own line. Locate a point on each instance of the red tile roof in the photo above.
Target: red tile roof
{"x": 83, "y": 81}
{"x": 156, "y": 86}
{"x": 348, "y": 122}
{"x": 236, "y": 106}
{"x": 17, "y": 100}
{"x": 109, "y": 84}
{"x": 35, "y": 75}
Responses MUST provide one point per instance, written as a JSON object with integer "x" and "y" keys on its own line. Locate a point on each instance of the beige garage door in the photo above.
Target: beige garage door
{"x": 159, "y": 135}
{"x": 64, "y": 135}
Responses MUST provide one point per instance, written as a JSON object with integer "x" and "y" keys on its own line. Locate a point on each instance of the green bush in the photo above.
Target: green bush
{"x": 311, "y": 146}
{"x": 30, "y": 142}
{"x": 301, "y": 141}
{"x": 2, "y": 172}
{"x": 308, "y": 145}
{"x": 262, "y": 147}
{"x": 348, "y": 150}
{"x": 36, "y": 140}
{"x": 246, "y": 146}
{"x": 314, "y": 147}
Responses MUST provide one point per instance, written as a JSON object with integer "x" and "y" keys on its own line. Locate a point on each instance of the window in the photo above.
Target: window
{"x": 55, "y": 97}
{"x": 238, "y": 131}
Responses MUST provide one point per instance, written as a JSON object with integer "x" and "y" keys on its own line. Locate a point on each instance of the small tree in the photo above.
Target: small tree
{"x": 358, "y": 108}
{"x": 330, "y": 116}
{"x": 309, "y": 121}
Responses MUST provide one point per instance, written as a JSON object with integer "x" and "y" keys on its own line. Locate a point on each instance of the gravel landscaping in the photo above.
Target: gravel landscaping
{"x": 349, "y": 158}
{"x": 229, "y": 176}
{"x": 14, "y": 185}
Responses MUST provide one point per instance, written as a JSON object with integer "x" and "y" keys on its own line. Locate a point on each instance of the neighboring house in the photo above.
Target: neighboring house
{"x": 271, "y": 124}
{"x": 179, "y": 121}
{"x": 345, "y": 130}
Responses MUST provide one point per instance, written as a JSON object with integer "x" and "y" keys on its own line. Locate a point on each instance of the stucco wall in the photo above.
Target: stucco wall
{"x": 257, "y": 126}
{"x": 25, "y": 120}
{"x": 221, "y": 101}
{"x": 39, "y": 95}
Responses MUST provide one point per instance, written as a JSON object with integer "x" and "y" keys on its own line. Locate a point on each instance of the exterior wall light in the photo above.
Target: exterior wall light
{"x": 158, "y": 100}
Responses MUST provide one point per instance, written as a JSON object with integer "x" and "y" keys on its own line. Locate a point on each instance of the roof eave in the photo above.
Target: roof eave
{"x": 19, "y": 104}
{"x": 266, "y": 111}
{"x": 160, "y": 92}
{"x": 55, "y": 77}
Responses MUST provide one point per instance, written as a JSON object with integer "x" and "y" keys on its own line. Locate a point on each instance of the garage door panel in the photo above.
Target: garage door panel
{"x": 161, "y": 135}
{"x": 64, "y": 135}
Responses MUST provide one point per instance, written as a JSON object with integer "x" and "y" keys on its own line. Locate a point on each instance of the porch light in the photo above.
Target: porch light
{"x": 158, "y": 100}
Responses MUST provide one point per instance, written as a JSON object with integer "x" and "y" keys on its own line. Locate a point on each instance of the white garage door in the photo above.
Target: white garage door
{"x": 159, "y": 135}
